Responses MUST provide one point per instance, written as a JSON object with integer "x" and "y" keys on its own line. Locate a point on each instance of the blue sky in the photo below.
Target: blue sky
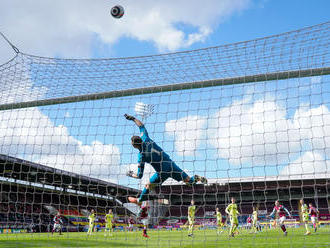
{"x": 87, "y": 30}
{"x": 93, "y": 137}
{"x": 260, "y": 19}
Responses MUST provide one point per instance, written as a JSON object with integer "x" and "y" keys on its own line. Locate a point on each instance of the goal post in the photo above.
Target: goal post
{"x": 173, "y": 87}
{"x": 252, "y": 117}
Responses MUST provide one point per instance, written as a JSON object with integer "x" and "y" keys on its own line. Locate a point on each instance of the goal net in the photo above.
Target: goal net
{"x": 252, "y": 117}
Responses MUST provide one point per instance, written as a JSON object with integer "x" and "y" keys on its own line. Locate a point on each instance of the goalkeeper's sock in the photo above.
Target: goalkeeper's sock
{"x": 144, "y": 195}
{"x": 192, "y": 180}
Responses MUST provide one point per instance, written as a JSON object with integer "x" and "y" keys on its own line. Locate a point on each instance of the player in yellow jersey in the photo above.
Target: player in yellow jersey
{"x": 191, "y": 218}
{"x": 304, "y": 215}
{"x": 255, "y": 220}
{"x": 108, "y": 223}
{"x": 91, "y": 219}
{"x": 233, "y": 213}
{"x": 219, "y": 220}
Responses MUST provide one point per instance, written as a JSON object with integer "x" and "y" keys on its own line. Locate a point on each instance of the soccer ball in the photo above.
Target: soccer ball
{"x": 117, "y": 11}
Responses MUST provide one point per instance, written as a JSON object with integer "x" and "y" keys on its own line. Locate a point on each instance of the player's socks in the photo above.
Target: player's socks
{"x": 283, "y": 228}
{"x": 145, "y": 233}
{"x": 144, "y": 195}
{"x": 192, "y": 180}
{"x": 197, "y": 178}
{"x": 234, "y": 229}
{"x": 306, "y": 227}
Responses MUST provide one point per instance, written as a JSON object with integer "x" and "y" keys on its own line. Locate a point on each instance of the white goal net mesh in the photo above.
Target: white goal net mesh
{"x": 252, "y": 117}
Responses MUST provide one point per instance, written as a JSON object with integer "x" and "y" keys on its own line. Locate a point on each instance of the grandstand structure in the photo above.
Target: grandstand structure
{"x": 31, "y": 194}
{"x": 249, "y": 192}
{"x": 253, "y": 117}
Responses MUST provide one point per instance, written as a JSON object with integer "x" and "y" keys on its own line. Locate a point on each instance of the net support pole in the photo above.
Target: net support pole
{"x": 172, "y": 87}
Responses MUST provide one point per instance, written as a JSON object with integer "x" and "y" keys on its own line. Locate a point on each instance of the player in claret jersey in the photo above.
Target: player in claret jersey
{"x": 249, "y": 222}
{"x": 57, "y": 223}
{"x": 281, "y": 213}
{"x": 313, "y": 212}
{"x": 131, "y": 224}
{"x": 144, "y": 217}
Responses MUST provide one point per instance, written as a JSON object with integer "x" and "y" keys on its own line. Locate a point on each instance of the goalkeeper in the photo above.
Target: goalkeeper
{"x": 150, "y": 152}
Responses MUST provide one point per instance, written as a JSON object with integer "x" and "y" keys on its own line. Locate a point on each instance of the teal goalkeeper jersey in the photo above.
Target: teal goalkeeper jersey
{"x": 151, "y": 153}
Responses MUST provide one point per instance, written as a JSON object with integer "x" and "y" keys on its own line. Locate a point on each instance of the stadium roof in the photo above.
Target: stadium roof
{"x": 23, "y": 170}
{"x": 223, "y": 181}
{"x": 251, "y": 188}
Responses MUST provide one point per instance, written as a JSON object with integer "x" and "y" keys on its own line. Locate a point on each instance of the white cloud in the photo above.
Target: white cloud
{"x": 259, "y": 133}
{"x": 314, "y": 125}
{"x": 253, "y": 133}
{"x": 309, "y": 164}
{"x": 15, "y": 89}
{"x": 188, "y": 132}
{"x": 29, "y": 134}
{"x": 67, "y": 28}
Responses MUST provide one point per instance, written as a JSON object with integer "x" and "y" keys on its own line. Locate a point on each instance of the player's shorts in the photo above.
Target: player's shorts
{"x": 130, "y": 225}
{"x": 314, "y": 219}
{"x": 305, "y": 217}
{"x": 191, "y": 221}
{"x": 281, "y": 220}
{"x": 57, "y": 227}
{"x": 169, "y": 170}
{"x": 234, "y": 220}
{"x": 145, "y": 221}
{"x": 108, "y": 225}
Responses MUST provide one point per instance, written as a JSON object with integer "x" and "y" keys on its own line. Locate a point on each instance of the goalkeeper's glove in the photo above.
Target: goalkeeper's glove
{"x": 129, "y": 117}
{"x": 129, "y": 173}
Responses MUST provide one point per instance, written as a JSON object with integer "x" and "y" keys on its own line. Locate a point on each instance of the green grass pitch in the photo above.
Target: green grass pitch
{"x": 163, "y": 238}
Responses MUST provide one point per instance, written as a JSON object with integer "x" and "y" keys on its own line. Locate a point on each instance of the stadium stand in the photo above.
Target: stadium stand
{"x": 31, "y": 194}
{"x": 249, "y": 192}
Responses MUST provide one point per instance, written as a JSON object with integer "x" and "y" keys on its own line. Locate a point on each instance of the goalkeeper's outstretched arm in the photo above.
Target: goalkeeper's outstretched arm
{"x": 139, "y": 174}
{"x": 132, "y": 118}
